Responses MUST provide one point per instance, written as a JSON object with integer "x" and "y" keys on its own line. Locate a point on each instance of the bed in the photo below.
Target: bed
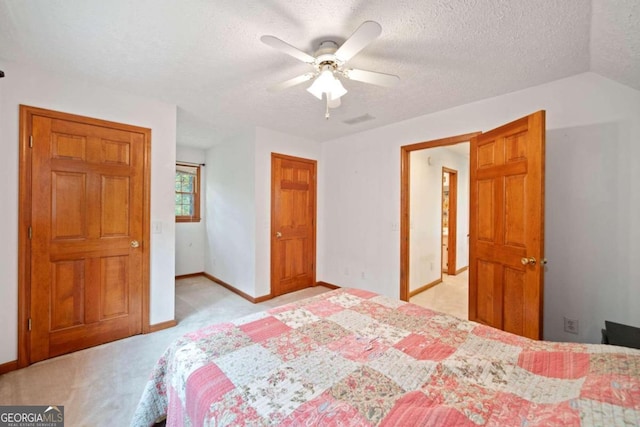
{"x": 354, "y": 358}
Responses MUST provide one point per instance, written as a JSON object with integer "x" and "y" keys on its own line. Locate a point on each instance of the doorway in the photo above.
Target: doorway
{"x": 450, "y": 217}
{"x": 506, "y": 230}
{"x": 83, "y": 233}
{"x": 438, "y": 209}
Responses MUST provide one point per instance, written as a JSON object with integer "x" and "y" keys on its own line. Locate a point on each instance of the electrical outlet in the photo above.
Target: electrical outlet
{"x": 571, "y": 325}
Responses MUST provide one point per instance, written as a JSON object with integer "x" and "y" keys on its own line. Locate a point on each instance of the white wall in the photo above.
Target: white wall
{"x": 239, "y": 206}
{"x": 190, "y": 236}
{"x": 230, "y": 214}
{"x": 29, "y": 86}
{"x": 593, "y": 235}
{"x": 425, "y": 245}
{"x": 425, "y": 213}
{"x": 362, "y": 197}
{"x": 462, "y": 238}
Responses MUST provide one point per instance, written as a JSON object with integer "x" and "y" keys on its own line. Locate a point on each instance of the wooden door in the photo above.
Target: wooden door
{"x": 88, "y": 247}
{"x": 452, "y": 221}
{"x": 293, "y": 230}
{"x": 507, "y": 227}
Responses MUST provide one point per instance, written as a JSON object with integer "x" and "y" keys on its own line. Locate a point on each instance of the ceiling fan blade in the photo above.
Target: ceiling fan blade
{"x": 291, "y": 82}
{"x": 285, "y": 47}
{"x": 365, "y": 34}
{"x": 380, "y": 79}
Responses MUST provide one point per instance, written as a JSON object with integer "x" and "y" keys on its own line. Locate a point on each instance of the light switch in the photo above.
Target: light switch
{"x": 156, "y": 227}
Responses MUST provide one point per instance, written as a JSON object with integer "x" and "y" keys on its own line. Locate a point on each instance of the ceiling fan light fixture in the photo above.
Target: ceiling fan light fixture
{"x": 327, "y": 83}
{"x": 337, "y": 90}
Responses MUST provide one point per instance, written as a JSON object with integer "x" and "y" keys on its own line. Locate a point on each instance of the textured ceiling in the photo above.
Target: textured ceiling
{"x": 206, "y": 57}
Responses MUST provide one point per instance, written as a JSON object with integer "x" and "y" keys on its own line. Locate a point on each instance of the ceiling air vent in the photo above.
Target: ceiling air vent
{"x": 359, "y": 119}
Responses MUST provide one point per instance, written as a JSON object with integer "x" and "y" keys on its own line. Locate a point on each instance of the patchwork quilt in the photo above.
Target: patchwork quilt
{"x": 354, "y": 358}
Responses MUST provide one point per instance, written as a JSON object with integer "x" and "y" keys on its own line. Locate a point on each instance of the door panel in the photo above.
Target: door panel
{"x": 68, "y": 201}
{"x": 487, "y": 307}
{"x": 293, "y": 210}
{"x": 514, "y": 284}
{"x": 514, "y": 214}
{"x": 115, "y": 203}
{"x": 87, "y": 206}
{"x": 507, "y": 227}
{"x": 67, "y": 294}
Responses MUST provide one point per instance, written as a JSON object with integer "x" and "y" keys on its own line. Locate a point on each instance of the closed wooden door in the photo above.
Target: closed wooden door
{"x": 507, "y": 227}
{"x": 293, "y": 231}
{"x": 88, "y": 246}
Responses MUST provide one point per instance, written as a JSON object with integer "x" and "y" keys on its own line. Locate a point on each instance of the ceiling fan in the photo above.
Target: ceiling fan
{"x": 329, "y": 63}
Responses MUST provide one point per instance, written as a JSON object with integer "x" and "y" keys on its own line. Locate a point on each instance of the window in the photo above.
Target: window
{"x": 187, "y": 193}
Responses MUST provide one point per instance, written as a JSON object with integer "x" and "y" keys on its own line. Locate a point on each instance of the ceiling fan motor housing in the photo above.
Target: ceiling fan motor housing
{"x": 325, "y": 54}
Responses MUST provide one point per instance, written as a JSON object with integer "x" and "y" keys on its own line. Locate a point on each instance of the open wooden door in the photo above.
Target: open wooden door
{"x": 84, "y": 228}
{"x": 507, "y": 227}
{"x": 293, "y": 230}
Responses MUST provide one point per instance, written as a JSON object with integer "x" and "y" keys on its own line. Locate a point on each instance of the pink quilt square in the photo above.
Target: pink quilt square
{"x": 205, "y": 386}
{"x": 361, "y": 293}
{"x": 416, "y": 409}
{"x": 324, "y": 308}
{"x": 358, "y": 349}
{"x": 555, "y": 364}
{"x": 174, "y": 409}
{"x": 373, "y": 310}
{"x": 416, "y": 310}
{"x": 262, "y": 329}
{"x": 290, "y": 345}
{"x": 419, "y": 347}
{"x": 621, "y": 390}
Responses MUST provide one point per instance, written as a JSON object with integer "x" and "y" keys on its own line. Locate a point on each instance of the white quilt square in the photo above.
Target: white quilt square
{"x": 350, "y": 320}
{"x": 248, "y": 363}
{"x": 407, "y": 372}
{"x": 296, "y": 318}
{"x": 346, "y": 300}
{"x": 278, "y": 393}
{"x": 323, "y": 367}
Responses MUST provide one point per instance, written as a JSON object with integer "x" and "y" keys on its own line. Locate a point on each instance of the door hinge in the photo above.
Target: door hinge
{"x": 29, "y": 324}
{"x": 30, "y": 232}
{"x": 30, "y": 141}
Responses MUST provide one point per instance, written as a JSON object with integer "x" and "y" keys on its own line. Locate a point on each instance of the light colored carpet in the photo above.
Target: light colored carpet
{"x": 451, "y": 296}
{"x": 101, "y": 386}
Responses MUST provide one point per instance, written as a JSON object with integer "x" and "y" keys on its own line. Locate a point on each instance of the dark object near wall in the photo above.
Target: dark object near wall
{"x": 619, "y": 334}
{"x": 1, "y": 74}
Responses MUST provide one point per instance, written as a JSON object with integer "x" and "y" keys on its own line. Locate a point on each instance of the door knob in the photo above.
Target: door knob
{"x": 135, "y": 244}
{"x": 528, "y": 261}
{"x": 278, "y": 234}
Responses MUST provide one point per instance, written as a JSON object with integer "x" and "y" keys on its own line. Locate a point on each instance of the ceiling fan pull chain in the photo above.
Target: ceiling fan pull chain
{"x": 326, "y": 113}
